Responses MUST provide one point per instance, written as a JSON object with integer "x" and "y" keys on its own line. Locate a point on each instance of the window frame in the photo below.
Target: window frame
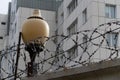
{"x": 110, "y": 39}
{"x": 62, "y": 17}
{"x": 73, "y": 4}
{"x": 109, "y": 11}
{"x": 73, "y": 26}
{"x": 84, "y": 16}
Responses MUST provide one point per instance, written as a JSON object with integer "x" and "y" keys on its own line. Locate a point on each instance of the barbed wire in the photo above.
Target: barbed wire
{"x": 68, "y": 52}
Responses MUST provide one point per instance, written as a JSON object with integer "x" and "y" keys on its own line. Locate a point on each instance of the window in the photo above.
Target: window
{"x": 62, "y": 17}
{"x": 3, "y": 23}
{"x": 84, "y": 15}
{"x": 110, "y": 11}
{"x": 1, "y": 37}
{"x": 73, "y": 27}
{"x": 72, "y": 53}
{"x": 112, "y": 39}
{"x": 72, "y": 6}
{"x": 85, "y": 39}
{"x": 15, "y": 27}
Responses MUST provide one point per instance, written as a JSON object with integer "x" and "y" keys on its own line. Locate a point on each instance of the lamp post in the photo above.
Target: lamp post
{"x": 35, "y": 31}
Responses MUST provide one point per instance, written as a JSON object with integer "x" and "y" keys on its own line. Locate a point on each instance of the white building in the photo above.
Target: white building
{"x": 3, "y": 29}
{"x": 80, "y": 15}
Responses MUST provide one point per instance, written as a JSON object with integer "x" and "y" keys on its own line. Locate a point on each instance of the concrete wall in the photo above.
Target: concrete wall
{"x": 106, "y": 70}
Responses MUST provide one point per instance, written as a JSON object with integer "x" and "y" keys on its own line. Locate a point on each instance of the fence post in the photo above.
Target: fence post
{"x": 18, "y": 54}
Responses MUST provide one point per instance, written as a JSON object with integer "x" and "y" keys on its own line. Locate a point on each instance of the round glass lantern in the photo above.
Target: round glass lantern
{"x": 35, "y": 28}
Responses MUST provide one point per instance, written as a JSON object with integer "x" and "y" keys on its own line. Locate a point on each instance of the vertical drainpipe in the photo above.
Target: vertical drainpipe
{"x": 8, "y": 20}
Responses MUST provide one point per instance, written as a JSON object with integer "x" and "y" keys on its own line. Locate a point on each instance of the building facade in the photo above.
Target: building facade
{"x": 79, "y": 15}
{"x": 3, "y": 30}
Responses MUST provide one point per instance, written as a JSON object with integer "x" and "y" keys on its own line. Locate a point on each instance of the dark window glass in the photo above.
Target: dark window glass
{"x": 3, "y": 23}
{"x": 1, "y": 37}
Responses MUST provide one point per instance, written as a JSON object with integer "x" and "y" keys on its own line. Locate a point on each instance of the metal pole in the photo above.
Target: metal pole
{"x": 30, "y": 64}
{"x": 18, "y": 54}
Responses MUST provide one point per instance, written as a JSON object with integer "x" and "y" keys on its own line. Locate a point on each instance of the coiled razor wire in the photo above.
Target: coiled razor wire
{"x": 100, "y": 44}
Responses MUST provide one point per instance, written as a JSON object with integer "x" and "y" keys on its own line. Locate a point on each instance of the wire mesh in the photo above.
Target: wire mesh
{"x": 77, "y": 49}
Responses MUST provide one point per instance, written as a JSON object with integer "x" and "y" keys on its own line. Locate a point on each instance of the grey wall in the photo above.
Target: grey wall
{"x": 41, "y": 4}
{"x": 106, "y": 70}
